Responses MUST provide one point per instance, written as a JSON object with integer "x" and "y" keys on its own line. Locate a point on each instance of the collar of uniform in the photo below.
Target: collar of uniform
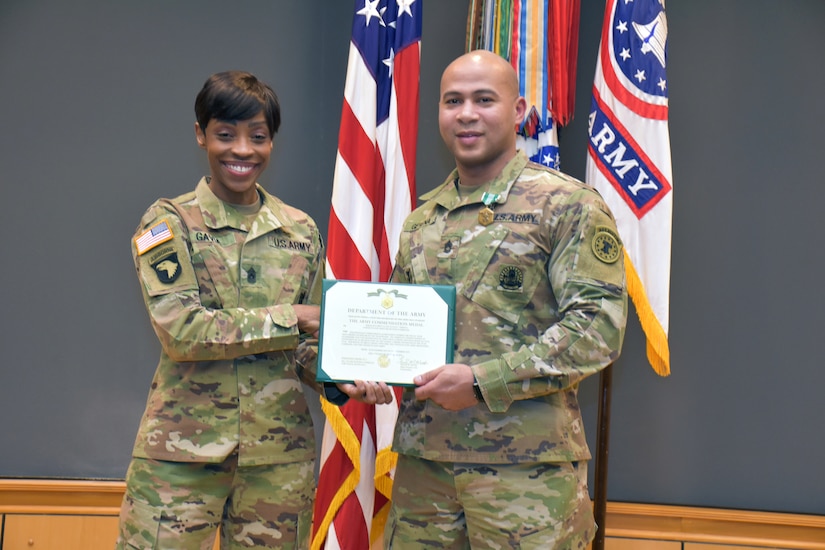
{"x": 217, "y": 216}
{"x": 446, "y": 194}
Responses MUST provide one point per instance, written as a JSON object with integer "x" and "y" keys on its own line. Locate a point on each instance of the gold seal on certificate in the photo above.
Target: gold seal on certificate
{"x": 384, "y": 332}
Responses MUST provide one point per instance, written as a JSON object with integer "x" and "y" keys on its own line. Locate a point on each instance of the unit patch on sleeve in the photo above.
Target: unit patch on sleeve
{"x": 606, "y": 245}
{"x": 155, "y": 235}
{"x": 168, "y": 269}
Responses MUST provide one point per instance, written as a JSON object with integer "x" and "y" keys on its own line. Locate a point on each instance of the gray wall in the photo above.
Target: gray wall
{"x": 96, "y": 117}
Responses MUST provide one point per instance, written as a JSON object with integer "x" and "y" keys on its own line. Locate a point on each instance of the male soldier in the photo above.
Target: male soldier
{"x": 231, "y": 277}
{"x": 492, "y": 452}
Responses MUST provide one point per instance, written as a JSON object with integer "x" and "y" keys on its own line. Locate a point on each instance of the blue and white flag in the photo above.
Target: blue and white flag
{"x": 629, "y": 156}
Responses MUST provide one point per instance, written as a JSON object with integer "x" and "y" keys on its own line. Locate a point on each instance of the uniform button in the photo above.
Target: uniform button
{"x": 448, "y": 246}
{"x": 251, "y": 276}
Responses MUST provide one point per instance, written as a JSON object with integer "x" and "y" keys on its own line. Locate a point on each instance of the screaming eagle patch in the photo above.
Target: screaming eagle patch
{"x": 167, "y": 269}
{"x": 606, "y": 245}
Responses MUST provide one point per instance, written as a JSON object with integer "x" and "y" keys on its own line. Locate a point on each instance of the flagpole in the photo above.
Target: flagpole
{"x": 602, "y": 444}
{"x": 632, "y": 113}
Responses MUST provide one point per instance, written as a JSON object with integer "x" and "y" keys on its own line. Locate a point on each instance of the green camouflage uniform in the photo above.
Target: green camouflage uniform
{"x": 541, "y": 304}
{"x": 226, "y": 395}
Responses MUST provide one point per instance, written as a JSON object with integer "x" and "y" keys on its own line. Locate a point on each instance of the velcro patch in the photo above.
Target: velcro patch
{"x": 168, "y": 269}
{"x": 606, "y": 245}
{"x": 155, "y": 235}
{"x": 510, "y": 277}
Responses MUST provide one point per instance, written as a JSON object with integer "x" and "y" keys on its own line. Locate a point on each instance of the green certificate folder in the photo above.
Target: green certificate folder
{"x": 384, "y": 332}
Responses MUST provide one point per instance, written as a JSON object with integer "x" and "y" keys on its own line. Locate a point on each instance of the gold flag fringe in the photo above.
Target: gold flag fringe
{"x": 385, "y": 462}
{"x": 346, "y": 436}
{"x": 658, "y": 351}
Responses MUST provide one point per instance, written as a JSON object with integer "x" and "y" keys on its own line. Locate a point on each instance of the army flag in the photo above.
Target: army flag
{"x": 629, "y": 156}
{"x": 373, "y": 191}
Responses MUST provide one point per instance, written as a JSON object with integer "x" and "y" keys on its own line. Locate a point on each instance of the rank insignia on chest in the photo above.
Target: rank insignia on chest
{"x": 510, "y": 277}
{"x": 168, "y": 269}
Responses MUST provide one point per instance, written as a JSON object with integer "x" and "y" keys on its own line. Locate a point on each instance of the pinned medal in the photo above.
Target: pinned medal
{"x": 486, "y": 215}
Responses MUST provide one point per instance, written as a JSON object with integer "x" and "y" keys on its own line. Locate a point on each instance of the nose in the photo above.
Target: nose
{"x": 467, "y": 111}
{"x": 242, "y": 147}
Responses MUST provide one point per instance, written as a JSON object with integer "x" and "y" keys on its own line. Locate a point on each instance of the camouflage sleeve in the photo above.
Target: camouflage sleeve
{"x": 187, "y": 330}
{"x": 399, "y": 275}
{"x": 586, "y": 273}
{"x": 317, "y": 271}
{"x": 306, "y": 354}
{"x": 306, "y": 363}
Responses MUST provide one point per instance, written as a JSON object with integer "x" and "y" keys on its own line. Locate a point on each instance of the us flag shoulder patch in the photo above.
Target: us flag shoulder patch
{"x": 149, "y": 239}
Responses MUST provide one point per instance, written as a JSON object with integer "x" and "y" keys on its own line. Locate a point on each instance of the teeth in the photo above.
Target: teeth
{"x": 239, "y": 167}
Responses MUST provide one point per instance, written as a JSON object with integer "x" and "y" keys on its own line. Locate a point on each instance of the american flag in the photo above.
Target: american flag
{"x": 373, "y": 191}
{"x": 158, "y": 233}
{"x": 629, "y": 156}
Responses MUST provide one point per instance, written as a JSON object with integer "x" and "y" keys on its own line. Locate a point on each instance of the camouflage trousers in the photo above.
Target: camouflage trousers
{"x": 449, "y": 505}
{"x": 180, "y": 505}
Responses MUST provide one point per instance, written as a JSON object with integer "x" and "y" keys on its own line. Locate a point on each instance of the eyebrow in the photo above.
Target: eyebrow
{"x": 234, "y": 122}
{"x": 483, "y": 91}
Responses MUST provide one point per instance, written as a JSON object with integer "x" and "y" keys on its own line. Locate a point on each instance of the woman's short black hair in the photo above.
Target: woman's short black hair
{"x": 237, "y": 95}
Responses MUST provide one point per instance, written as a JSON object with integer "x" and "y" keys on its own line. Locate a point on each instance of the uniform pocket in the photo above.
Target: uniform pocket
{"x": 304, "y": 529}
{"x": 550, "y": 538}
{"x": 506, "y": 271}
{"x": 389, "y": 530}
{"x": 144, "y": 527}
{"x": 139, "y": 525}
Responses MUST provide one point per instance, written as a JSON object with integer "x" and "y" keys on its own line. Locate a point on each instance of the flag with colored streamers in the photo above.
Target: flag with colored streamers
{"x": 540, "y": 39}
{"x": 373, "y": 192}
{"x": 629, "y": 156}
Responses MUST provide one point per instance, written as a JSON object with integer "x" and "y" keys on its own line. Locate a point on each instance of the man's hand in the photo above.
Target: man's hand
{"x": 309, "y": 318}
{"x": 450, "y": 386}
{"x": 370, "y": 393}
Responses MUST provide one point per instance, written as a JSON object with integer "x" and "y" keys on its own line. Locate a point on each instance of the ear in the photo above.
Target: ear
{"x": 521, "y": 110}
{"x": 200, "y": 136}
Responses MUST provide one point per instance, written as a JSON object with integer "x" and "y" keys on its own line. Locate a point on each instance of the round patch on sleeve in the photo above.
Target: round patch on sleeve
{"x": 606, "y": 245}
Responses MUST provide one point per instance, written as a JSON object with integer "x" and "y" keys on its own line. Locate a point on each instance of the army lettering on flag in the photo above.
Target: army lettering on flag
{"x": 629, "y": 156}
{"x": 373, "y": 192}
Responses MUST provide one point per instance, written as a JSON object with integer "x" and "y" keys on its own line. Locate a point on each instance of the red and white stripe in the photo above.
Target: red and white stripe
{"x": 373, "y": 192}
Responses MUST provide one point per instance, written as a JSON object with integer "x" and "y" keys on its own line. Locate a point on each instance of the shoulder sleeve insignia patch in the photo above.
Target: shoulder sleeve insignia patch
{"x": 606, "y": 245}
{"x": 155, "y": 235}
{"x": 168, "y": 269}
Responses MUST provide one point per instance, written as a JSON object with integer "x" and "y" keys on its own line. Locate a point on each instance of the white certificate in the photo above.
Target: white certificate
{"x": 384, "y": 332}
